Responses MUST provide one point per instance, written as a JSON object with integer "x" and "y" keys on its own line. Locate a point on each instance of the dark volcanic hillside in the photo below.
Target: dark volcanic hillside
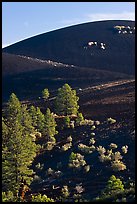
{"x": 87, "y": 151}
{"x": 28, "y": 77}
{"x": 67, "y": 46}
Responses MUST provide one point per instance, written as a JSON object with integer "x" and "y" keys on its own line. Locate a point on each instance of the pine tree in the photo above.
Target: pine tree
{"x": 14, "y": 108}
{"x": 19, "y": 149}
{"x": 4, "y": 132}
{"x": 50, "y": 124}
{"x": 38, "y": 118}
{"x": 45, "y": 94}
{"x": 33, "y": 114}
{"x": 66, "y": 101}
{"x": 114, "y": 184}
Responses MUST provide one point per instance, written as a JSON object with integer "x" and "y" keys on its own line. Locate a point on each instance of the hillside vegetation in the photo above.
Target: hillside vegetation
{"x": 68, "y": 156}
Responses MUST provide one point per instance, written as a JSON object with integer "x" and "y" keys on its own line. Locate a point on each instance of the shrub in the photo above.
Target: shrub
{"x": 41, "y": 198}
{"x": 36, "y": 178}
{"x": 101, "y": 150}
{"x": 125, "y": 149}
{"x": 87, "y": 122}
{"x": 92, "y": 141}
{"x": 113, "y": 146}
{"x": 39, "y": 166}
{"x": 92, "y": 147}
{"x": 66, "y": 146}
{"x": 79, "y": 188}
{"x": 104, "y": 158}
{"x": 65, "y": 191}
{"x": 49, "y": 146}
{"x": 116, "y": 156}
{"x": 79, "y": 119}
{"x": 50, "y": 172}
{"x": 118, "y": 165}
{"x": 69, "y": 139}
{"x": 90, "y": 122}
{"x": 109, "y": 152}
{"x": 92, "y": 134}
{"x": 87, "y": 168}
{"x": 111, "y": 120}
{"x": 77, "y": 161}
{"x": 72, "y": 123}
{"x": 93, "y": 127}
{"x": 72, "y": 156}
{"x": 84, "y": 148}
{"x": 97, "y": 122}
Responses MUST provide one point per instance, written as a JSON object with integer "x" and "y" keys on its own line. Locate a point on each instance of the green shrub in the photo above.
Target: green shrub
{"x": 79, "y": 119}
{"x": 41, "y": 198}
{"x": 8, "y": 197}
{"x": 67, "y": 121}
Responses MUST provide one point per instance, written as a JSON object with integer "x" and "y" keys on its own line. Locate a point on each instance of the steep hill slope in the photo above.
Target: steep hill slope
{"x": 15, "y": 64}
{"x": 28, "y": 77}
{"x": 69, "y": 45}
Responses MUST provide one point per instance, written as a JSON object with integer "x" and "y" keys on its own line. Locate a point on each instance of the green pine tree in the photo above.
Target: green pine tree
{"x": 38, "y": 118}
{"x": 45, "y": 94}
{"x": 66, "y": 101}
{"x": 19, "y": 149}
{"x": 50, "y": 125}
{"x": 14, "y": 109}
{"x": 114, "y": 184}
